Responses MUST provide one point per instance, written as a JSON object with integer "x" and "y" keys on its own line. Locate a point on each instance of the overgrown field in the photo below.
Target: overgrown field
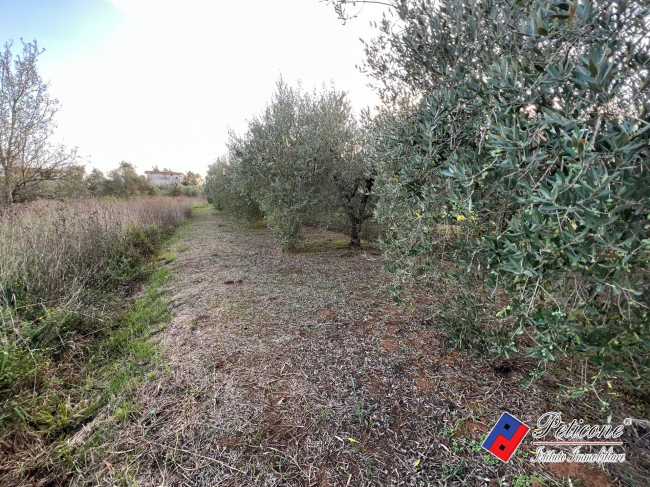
{"x": 65, "y": 347}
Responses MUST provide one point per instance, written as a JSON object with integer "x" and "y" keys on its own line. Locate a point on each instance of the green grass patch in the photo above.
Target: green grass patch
{"x": 260, "y": 224}
{"x": 204, "y": 209}
{"x": 121, "y": 362}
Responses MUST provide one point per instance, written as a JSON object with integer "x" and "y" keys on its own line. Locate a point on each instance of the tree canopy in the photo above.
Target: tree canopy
{"x": 300, "y": 158}
{"x": 526, "y": 125}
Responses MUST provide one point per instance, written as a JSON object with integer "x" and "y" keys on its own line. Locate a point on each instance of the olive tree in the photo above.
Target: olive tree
{"x": 96, "y": 182}
{"x": 275, "y": 167}
{"x": 225, "y": 193}
{"x": 341, "y": 145}
{"x": 27, "y": 155}
{"x": 303, "y": 155}
{"x": 192, "y": 179}
{"x": 529, "y": 124}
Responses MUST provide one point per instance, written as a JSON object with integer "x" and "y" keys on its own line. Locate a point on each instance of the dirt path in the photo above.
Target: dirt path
{"x": 296, "y": 369}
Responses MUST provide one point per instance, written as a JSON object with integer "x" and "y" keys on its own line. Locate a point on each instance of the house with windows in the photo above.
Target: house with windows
{"x": 164, "y": 178}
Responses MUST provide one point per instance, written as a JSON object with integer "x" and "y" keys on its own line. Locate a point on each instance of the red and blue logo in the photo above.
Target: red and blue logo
{"x": 505, "y": 437}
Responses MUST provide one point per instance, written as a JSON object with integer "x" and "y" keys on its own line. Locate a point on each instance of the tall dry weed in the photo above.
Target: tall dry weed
{"x": 54, "y": 253}
{"x": 60, "y": 265}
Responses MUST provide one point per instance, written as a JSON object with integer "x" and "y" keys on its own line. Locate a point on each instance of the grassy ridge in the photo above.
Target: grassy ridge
{"x": 65, "y": 349}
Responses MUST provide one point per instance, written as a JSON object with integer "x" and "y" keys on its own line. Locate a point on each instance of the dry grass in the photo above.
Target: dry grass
{"x": 54, "y": 252}
{"x": 296, "y": 369}
{"x": 65, "y": 269}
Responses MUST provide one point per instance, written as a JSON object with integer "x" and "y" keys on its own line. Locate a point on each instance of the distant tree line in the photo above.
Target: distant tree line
{"x": 32, "y": 166}
{"x": 74, "y": 182}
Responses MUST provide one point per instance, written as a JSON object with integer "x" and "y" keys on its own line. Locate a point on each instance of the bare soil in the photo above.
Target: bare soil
{"x": 297, "y": 369}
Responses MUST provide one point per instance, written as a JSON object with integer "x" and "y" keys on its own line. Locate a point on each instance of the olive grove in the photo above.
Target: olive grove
{"x": 526, "y": 125}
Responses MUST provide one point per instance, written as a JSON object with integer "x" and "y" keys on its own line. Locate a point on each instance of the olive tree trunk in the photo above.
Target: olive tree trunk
{"x": 356, "y": 208}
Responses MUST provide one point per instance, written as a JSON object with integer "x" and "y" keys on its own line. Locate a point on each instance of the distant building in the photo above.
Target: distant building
{"x": 164, "y": 178}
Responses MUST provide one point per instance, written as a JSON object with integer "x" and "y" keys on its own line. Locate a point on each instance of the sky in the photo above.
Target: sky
{"x": 160, "y": 82}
